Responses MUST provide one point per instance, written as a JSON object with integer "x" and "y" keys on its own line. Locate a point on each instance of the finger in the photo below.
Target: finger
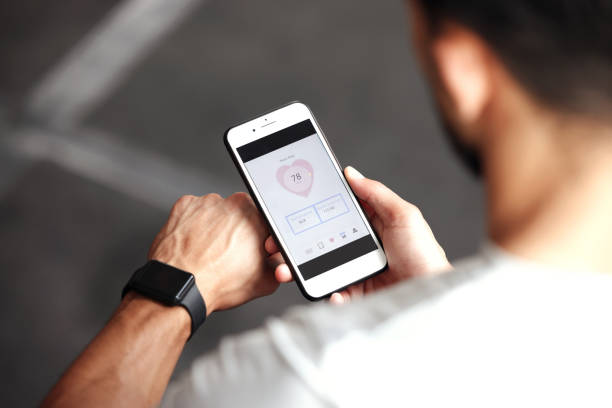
{"x": 366, "y": 207}
{"x": 270, "y": 245}
{"x": 283, "y": 274}
{"x": 339, "y": 298}
{"x": 275, "y": 259}
{"x": 354, "y": 291}
{"x": 386, "y": 204}
{"x": 377, "y": 224}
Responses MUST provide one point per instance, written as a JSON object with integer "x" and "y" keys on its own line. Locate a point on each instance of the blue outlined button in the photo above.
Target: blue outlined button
{"x": 317, "y": 213}
{"x": 331, "y": 208}
{"x": 303, "y": 220}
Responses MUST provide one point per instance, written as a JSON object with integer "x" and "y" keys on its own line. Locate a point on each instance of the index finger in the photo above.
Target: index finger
{"x": 270, "y": 245}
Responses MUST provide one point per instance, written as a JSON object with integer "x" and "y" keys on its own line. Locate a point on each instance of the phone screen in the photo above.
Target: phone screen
{"x": 308, "y": 202}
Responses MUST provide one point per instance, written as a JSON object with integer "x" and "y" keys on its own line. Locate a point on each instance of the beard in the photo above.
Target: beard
{"x": 468, "y": 155}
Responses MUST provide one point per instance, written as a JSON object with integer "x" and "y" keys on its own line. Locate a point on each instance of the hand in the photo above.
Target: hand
{"x": 220, "y": 242}
{"x": 411, "y": 248}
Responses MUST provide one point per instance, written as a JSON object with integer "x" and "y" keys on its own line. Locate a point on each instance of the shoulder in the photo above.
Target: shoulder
{"x": 483, "y": 317}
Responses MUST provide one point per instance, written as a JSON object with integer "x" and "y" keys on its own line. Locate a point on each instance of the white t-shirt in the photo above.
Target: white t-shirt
{"x": 497, "y": 331}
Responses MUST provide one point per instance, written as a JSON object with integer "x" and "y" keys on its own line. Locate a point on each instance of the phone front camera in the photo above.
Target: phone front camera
{"x": 253, "y": 130}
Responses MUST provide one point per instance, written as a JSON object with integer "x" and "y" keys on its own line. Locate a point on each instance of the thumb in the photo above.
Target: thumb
{"x": 387, "y": 205}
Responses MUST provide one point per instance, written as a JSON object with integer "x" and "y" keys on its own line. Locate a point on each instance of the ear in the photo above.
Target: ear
{"x": 464, "y": 69}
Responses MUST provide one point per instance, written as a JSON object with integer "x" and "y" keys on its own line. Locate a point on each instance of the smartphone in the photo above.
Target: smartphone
{"x": 298, "y": 185}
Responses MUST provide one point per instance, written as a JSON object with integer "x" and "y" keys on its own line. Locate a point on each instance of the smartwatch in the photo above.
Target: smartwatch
{"x": 170, "y": 286}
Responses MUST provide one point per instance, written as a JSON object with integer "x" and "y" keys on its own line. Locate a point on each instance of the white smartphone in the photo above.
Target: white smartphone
{"x": 298, "y": 185}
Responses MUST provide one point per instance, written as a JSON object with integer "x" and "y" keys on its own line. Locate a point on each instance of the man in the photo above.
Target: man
{"x": 524, "y": 88}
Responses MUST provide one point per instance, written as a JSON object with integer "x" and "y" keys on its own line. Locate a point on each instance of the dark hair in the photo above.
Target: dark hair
{"x": 560, "y": 50}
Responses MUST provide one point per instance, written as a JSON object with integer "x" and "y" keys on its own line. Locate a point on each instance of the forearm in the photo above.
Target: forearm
{"x": 130, "y": 361}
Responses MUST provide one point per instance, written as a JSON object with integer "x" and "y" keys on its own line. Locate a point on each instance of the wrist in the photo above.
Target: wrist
{"x": 136, "y": 309}
{"x": 207, "y": 291}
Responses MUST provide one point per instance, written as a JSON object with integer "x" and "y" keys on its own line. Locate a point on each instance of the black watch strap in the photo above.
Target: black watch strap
{"x": 194, "y": 303}
{"x": 170, "y": 286}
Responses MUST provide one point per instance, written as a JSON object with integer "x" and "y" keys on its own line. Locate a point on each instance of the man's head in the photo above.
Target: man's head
{"x": 485, "y": 56}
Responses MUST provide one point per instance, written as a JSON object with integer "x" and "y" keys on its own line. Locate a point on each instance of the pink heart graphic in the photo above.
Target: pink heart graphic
{"x": 296, "y": 178}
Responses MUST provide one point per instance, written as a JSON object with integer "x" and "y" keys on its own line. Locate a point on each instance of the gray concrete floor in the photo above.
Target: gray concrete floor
{"x": 69, "y": 240}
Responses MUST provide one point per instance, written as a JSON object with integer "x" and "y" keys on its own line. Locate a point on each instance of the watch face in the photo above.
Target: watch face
{"x": 166, "y": 281}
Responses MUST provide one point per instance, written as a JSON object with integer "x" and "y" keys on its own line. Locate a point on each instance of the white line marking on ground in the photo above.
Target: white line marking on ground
{"x": 143, "y": 175}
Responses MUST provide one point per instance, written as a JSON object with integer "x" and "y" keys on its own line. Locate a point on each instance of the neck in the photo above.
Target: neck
{"x": 549, "y": 190}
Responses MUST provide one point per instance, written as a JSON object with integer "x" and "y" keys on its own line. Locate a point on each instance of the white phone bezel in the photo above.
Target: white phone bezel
{"x": 335, "y": 278}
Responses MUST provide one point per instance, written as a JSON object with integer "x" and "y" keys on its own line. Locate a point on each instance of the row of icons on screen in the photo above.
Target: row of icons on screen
{"x": 330, "y": 241}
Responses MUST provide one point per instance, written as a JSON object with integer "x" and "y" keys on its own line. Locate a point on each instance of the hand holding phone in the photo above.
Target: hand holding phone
{"x": 411, "y": 248}
{"x": 298, "y": 185}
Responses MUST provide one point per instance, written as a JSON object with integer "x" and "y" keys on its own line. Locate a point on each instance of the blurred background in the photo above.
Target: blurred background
{"x": 110, "y": 110}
